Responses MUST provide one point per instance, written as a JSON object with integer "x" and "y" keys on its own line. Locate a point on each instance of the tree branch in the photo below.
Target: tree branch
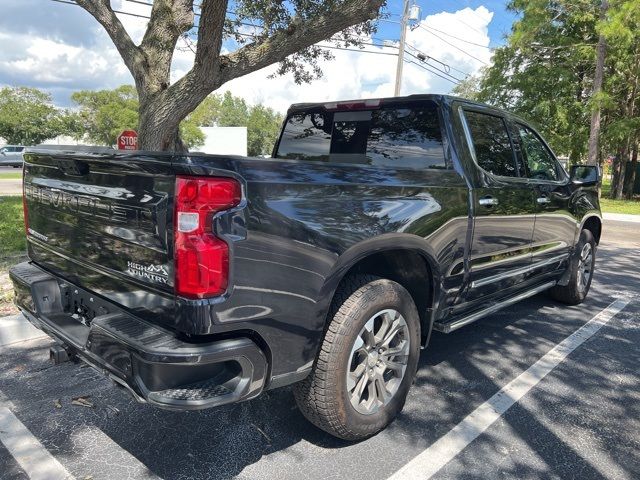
{"x": 168, "y": 21}
{"x": 300, "y": 35}
{"x": 211, "y": 70}
{"x": 102, "y": 12}
{"x": 210, "y": 34}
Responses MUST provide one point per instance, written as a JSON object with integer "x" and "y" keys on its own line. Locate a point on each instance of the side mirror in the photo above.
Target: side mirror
{"x": 585, "y": 175}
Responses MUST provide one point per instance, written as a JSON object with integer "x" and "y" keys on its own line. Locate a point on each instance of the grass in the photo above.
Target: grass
{"x": 12, "y": 237}
{"x": 12, "y": 248}
{"x": 11, "y": 175}
{"x": 617, "y": 206}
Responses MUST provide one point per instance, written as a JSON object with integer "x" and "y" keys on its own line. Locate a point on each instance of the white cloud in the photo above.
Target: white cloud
{"x": 49, "y": 62}
{"x": 364, "y": 75}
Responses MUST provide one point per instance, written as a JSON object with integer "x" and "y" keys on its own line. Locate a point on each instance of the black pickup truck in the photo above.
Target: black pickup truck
{"x": 199, "y": 280}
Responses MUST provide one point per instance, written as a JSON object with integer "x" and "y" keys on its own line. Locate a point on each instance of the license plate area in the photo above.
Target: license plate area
{"x": 80, "y": 305}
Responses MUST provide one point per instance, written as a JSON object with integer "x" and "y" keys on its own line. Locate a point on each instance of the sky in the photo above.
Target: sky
{"x": 60, "y": 48}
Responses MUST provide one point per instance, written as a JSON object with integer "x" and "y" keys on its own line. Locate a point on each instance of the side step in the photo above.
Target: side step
{"x": 447, "y": 327}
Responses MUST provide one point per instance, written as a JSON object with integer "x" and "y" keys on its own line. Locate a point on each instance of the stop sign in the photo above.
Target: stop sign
{"x": 128, "y": 140}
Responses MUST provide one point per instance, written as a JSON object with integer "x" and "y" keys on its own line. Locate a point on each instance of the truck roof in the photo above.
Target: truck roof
{"x": 382, "y": 100}
{"x": 438, "y": 98}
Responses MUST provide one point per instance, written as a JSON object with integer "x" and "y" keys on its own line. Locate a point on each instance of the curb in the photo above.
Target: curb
{"x": 621, "y": 217}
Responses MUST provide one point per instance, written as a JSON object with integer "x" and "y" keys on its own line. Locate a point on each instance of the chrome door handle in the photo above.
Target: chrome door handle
{"x": 542, "y": 200}
{"x": 488, "y": 201}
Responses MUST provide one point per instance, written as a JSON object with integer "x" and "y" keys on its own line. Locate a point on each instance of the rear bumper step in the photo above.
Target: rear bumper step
{"x": 154, "y": 365}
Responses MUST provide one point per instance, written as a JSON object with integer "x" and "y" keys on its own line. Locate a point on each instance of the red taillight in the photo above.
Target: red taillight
{"x": 201, "y": 259}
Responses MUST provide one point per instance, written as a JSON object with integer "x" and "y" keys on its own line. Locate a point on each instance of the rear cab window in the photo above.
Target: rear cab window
{"x": 399, "y": 136}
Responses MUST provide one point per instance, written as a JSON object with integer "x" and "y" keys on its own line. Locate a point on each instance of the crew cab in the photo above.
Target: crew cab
{"x": 200, "y": 280}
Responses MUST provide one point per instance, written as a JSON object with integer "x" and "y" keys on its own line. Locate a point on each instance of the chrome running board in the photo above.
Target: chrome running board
{"x": 447, "y": 327}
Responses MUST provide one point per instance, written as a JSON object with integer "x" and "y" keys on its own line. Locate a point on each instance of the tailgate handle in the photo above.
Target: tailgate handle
{"x": 73, "y": 167}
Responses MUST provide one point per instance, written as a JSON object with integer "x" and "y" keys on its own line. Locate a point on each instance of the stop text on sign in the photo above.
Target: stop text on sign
{"x": 128, "y": 140}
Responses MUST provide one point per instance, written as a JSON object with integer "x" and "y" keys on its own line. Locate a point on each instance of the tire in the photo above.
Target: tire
{"x": 327, "y": 398}
{"x": 581, "y": 267}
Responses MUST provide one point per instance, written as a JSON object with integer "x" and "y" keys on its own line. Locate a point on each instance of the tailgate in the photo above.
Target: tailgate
{"x": 103, "y": 222}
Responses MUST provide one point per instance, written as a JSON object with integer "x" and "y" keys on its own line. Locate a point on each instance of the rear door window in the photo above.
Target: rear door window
{"x": 402, "y": 136}
{"x": 492, "y": 144}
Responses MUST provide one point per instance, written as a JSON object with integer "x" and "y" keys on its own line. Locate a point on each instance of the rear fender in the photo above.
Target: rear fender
{"x": 386, "y": 242}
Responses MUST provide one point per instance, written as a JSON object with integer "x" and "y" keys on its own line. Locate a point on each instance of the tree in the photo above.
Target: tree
{"x": 104, "y": 114}
{"x": 284, "y": 32}
{"x": 553, "y": 71}
{"x": 470, "y": 86}
{"x": 594, "y": 130}
{"x": 620, "y": 98}
{"x": 27, "y": 116}
{"x": 545, "y": 70}
{"x": 263, "y": 130}
{"x": 263, "y": 124}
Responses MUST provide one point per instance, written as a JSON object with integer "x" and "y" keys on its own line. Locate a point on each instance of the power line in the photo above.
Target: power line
{"x": 466, "y": 24}
{"x": 423, "y": 66}
{"x": 67, "y": 2}
{"x": 356, "y": 50}
{"x": 445, "y": 41}
{"x": 432, "y": 66}
{"x": 457, "y": 48}
{"x": 424, "y": 27}
{"x": 420, "y": 52}
{"x": 459, "y": 21}
{"x": 429, "y": 57}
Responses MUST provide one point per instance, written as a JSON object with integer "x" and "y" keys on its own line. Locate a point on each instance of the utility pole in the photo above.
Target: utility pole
{"x": 403, "y": 37}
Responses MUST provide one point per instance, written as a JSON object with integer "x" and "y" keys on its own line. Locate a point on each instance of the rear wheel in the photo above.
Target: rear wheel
{"x": 581, "y": 267}
{"x": 367, "y": 360}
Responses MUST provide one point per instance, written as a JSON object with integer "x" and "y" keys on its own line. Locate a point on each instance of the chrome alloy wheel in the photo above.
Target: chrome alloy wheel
{"x": 378, "y": 361}
{"x": 584, "y": 266}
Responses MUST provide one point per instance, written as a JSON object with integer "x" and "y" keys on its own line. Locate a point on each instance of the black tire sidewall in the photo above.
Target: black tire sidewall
{"x": 383, "y": 294}
{"x": 585, "y": 237}
{"x": 570, "y": 294}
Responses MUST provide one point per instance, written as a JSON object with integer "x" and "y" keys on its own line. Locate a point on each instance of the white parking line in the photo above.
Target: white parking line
{"x": 34, "y": 459}
{"x": 39, "y": 464}
{"x": 445, "y": 449}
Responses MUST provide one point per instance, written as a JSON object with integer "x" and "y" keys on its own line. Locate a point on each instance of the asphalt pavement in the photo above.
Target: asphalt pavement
{"x": 581, "y": 419}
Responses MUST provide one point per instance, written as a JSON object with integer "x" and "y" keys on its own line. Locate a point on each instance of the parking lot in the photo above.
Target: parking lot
{"x": 10, "y": 186}
{"x": 581, "y": 420}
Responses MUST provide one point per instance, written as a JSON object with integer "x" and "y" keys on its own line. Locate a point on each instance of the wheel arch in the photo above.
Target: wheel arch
{"x": 593, "y": 223}
{"x": 404, "y": 258}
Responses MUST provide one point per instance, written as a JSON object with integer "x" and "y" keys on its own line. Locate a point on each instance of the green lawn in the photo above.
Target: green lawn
{"x": 12, "y": 237}
{"x": 17, "y": 175}
{"x": 12, "y": 248}
{"x": 617, "y": 206}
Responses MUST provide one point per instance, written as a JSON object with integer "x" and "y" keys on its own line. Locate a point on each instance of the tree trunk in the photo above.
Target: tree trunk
{"x": 630, "y": 174}
{"x": 619, "y": 167}
{"x": 159, "y": 129}
{"x": 594, "y": 132}
{"x": 161, "y": 113}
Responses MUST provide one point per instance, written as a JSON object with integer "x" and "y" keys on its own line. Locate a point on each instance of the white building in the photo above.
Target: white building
{"x": 224, "y": 140}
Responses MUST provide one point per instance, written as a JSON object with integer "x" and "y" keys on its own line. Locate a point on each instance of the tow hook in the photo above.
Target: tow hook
{"x": 60, "y": 354}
